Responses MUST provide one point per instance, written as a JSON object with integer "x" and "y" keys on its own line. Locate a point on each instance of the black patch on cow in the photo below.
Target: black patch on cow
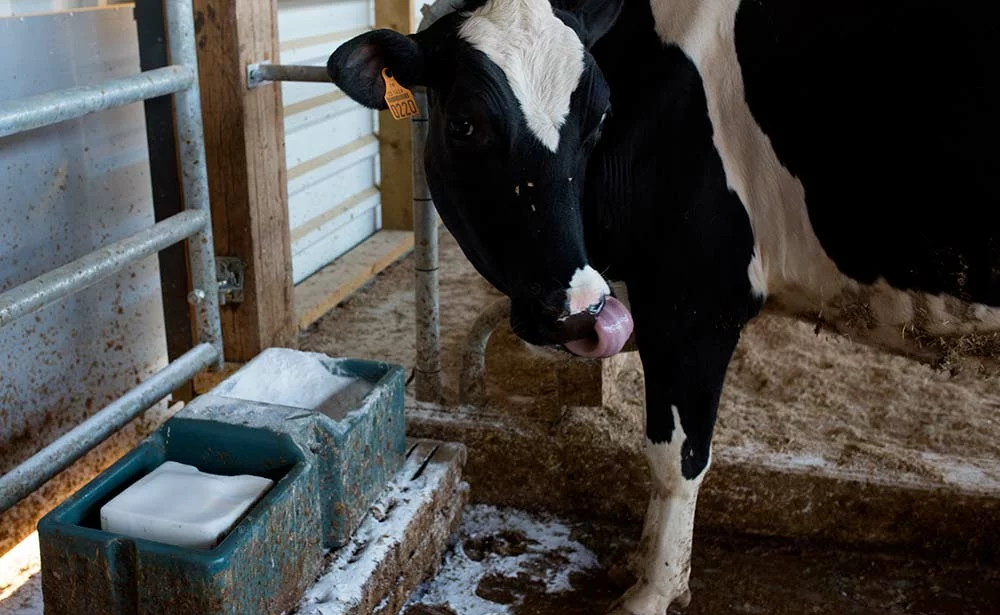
{"x": 888, "y": 114}
{"x": 659, "y": 215}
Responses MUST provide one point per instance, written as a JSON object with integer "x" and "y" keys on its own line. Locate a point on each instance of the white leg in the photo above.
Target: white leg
{"x": 663, "y": 560}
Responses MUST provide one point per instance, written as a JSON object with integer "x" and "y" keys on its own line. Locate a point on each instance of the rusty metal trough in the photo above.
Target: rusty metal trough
{"x": 327, "y": 474}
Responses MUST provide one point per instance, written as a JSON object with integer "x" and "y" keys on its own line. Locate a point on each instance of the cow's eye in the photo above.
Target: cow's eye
{"x": 461, "y": 128}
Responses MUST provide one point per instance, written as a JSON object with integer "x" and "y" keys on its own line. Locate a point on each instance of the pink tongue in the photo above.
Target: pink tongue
{"x": 612, "y": 330}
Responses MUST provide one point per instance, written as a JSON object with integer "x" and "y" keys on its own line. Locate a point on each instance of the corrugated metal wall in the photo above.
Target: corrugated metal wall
{"x": 64, "y": 191}
{"x": 330, "y": 141}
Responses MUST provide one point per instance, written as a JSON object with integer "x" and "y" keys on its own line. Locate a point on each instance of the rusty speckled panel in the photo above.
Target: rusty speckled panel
{"x": 64, "y": 191}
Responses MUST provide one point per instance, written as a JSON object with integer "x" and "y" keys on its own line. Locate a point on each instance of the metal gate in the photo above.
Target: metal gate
{"x": 194, "y": 224}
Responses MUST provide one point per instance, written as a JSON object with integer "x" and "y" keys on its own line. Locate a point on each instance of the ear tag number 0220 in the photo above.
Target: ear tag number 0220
{"x": 399, "y": 99}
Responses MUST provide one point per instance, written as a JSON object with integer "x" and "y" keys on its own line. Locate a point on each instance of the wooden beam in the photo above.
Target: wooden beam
{"x": 394, "y": 135}
{"x": 208, "y": 380}
{"x": 322, "y": 291}
{"x": 244, "y": 139}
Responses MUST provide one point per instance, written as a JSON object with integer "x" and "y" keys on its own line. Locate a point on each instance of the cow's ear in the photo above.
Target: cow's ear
{"x": 356, "y": 66}
{"x": 596, "y": 17}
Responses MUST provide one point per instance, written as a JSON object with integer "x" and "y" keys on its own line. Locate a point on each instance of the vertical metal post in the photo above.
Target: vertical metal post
{"x": 194, "y": 174}
{"x": 151, "y": 26}
{"x": 425, "y": 238}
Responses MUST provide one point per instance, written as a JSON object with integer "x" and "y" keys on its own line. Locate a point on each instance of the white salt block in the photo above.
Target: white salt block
{"x": 298, "y": 380}
{"x": 177, "y": 504}
{"x": 287, "y": 378}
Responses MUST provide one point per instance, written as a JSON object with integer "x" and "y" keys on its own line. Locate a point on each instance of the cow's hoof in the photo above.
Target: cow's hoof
{"x": 641, "y": 599}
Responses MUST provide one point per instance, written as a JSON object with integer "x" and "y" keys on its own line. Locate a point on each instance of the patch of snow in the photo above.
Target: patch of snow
{"x": 456, "y": 582}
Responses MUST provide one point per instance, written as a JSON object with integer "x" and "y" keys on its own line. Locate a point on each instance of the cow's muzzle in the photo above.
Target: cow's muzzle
{"x": 601, "y": 330}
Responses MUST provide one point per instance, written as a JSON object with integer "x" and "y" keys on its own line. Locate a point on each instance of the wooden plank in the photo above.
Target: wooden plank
{"x": 322, "y": 291}
{"x": 394, "y": 135}
{"x": 244, "y": 139}
{"x": 208, "y": 380}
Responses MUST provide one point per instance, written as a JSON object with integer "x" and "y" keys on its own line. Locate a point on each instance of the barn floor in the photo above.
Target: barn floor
{"x": 789, "y": 393}
{"x": 787, "y": 389}
{"x": 509, "y": 562}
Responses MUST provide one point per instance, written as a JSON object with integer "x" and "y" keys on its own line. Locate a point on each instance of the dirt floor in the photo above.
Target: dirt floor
{"x": 508, "y": 562}
{"x": 788, "y": 388}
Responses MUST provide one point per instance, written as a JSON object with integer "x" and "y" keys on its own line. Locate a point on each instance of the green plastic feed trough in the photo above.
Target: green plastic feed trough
{"x": 319, "y": 439}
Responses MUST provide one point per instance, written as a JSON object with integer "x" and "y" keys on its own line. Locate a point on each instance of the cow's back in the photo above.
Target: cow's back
{"x": 889, "y": 115}
{"x": 861, "y": 138}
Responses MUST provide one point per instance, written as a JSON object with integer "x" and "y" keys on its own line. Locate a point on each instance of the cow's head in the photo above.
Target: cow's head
{"x": 516, "y": 106}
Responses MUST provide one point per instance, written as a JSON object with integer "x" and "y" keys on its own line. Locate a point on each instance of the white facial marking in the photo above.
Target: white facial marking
{"x": 541, "y": 57}
{"x": 586, "y": 288}
{"x": 663, "y": 561}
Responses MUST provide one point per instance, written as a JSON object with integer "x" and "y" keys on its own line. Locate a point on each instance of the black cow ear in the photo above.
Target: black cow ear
{"x": 596, "y": 17}
{"x": 356, "y": 66}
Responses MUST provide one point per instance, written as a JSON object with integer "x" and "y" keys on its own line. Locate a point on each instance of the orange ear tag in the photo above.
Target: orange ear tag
{"x": 400, "y": 100}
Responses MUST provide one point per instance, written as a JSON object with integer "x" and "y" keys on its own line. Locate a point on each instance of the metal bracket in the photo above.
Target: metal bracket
{"x": 254, "y": 78}
{"x": 229, "y": 271}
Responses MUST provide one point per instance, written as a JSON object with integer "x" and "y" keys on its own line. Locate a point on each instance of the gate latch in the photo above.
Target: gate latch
{"x": 229, "y": 272}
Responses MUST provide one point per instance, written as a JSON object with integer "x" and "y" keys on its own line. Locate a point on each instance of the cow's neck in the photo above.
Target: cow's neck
{"x": 649, "y": 171}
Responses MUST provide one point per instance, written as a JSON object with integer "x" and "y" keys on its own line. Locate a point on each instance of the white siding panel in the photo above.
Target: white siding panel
{"x": 311, "y": 111}
{"x": 333, "y": 162}
{"x": 301, "y": 18}
{"x": 330, "y": 141}
{"x": 313, "y": 141}
{"x": 313, "y": 199}
{"x": 350, "y": 230}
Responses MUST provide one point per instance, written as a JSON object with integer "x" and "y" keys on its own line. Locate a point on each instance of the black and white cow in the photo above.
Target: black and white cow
{"x": 682, "y": 163}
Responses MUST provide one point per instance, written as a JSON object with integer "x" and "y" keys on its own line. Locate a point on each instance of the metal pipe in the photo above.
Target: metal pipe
{"x": 95, "y": 266}
{"x": 472, "y": 380}
{"x": 425, "y": 239}
{"x": 57, "y": 456}
{"x": 25, "y": 114}
{"x": 194, "y": 176}
{"x": 259, "y": 73}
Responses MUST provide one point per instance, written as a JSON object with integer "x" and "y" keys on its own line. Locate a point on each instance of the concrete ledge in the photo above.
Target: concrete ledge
{"x": 751, "y": 491}
{"x": 401, "y": 542}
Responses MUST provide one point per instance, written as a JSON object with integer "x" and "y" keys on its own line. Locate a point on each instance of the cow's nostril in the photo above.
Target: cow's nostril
{"x": 596, "y": 308}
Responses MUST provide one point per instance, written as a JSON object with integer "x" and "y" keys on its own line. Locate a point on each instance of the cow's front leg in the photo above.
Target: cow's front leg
{"x": 682, "y": 396}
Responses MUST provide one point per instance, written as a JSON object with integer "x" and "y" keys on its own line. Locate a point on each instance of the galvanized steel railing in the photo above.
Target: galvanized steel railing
{"x": 194, "y": 224}
{"x": 427, "y": 376}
